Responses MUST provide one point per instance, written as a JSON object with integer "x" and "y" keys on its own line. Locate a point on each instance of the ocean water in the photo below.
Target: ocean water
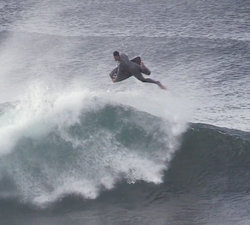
{"x": 76, "y": 148}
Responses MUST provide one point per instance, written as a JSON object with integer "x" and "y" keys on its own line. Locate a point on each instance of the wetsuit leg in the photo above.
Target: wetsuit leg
{"x": 145, "y": 70}
{"x": 139, "y": 76}
{"x": 136, "y": 60}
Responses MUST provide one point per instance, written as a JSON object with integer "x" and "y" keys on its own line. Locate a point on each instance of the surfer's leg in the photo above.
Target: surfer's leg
{"x": 144, "y": 69}
{"x": 136, "y": 60}
{"x": 139, "y": 76}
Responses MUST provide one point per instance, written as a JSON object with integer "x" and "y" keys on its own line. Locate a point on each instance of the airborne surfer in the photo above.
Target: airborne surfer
{"x": 126, "y": 68}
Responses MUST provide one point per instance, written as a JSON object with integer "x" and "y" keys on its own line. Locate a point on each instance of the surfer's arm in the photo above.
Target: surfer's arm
{"x": 119, "y": 73}
{"x": 113, "y": 74}
{"x": 116, "y": 76}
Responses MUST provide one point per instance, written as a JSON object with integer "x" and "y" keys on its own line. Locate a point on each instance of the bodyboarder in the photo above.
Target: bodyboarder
{"x": 127, "y": 68}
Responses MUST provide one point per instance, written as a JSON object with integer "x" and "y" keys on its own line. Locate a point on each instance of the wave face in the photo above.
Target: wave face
{"x": 51, "y": 150}
{"x": 211, "y": 160}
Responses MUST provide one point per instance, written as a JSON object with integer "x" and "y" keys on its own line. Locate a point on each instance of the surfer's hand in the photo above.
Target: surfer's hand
{"x": 114, "y": 77}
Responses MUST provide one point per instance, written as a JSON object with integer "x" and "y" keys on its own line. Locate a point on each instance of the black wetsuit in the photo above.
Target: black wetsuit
{"x": 127, "y": 68}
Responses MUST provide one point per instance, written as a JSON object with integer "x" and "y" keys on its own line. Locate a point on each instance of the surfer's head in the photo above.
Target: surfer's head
{"x": 116, "y": 55}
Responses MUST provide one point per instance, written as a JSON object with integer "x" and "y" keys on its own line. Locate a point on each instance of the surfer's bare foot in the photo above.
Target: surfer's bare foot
{"x": 142, "y": 65}
{"x": 161, "y": 85}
